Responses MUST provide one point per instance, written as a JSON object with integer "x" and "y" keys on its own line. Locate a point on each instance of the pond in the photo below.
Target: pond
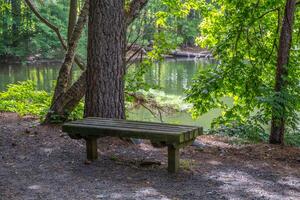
{"x": 172, "y": 76}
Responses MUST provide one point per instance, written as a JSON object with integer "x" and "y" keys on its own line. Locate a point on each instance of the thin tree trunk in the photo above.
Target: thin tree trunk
{"x": 71, "y": 25}
{"x": 106, "y": 60}
{"x": 65, "y": 70}
{"x": 278, "y": 116}
{"x": 72, "y": 17}
{"x": 58, "y": 105}
{"x": 66, "y": 102}
{"x": 16, "y": 21}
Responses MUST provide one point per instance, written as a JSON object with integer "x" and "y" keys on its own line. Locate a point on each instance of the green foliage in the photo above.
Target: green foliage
{"x": 170, "y": 102}
{"x": 33, "y": 37}
{"x": 292, "y": 139}
{"x": 244, "y": 36}
{"x": 24, "y": 99}
{"x": 157, "y": 99}
{"x": 155, "y": 28}
{"x": 167, "y": 23}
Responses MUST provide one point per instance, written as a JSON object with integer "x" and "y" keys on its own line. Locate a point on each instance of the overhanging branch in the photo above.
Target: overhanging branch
{"x": 134, "y": 10}
{"x": 54, "y": 28}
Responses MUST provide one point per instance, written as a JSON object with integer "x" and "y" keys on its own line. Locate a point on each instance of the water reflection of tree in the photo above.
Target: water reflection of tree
{"x": 172, "y": 76}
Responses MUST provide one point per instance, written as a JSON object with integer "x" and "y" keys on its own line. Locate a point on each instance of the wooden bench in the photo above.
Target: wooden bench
{"x": 173, "y": 136}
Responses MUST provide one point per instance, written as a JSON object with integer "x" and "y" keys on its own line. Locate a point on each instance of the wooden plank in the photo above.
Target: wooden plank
{"x": 136, "y": 122}
{"x": 156, "y": 126}
{"x": 119, "y": 129}
{"x": 130, "y": 133}
{"x": 121, "y": 123}
{"x": 173, "y": 159}
{"x": 134, "y": 126}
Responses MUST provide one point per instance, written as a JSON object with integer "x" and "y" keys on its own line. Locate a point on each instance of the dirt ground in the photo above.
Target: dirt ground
{"x": 41, "y": 162}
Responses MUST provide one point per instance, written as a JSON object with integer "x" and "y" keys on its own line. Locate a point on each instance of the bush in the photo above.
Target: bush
{"x": 24, "y": 99}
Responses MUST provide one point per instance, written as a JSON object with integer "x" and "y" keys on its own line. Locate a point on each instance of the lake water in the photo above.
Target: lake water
{"x": 172, "y": 76}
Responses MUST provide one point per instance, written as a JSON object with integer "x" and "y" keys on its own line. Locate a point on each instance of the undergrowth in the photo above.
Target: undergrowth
{"x": 248, "y": 134}
{"x": 24, "y": 98}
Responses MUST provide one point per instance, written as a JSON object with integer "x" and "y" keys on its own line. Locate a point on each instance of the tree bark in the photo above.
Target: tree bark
{"x": 65, "y": 70}
{"x": 16, "y": 21}
{"x": 106, "y": 60}
{"x": 278, "y": 115}
{"x": 5, "y": 28}
{"x": 72, "y": 17}
{"x": 66, "y": 102}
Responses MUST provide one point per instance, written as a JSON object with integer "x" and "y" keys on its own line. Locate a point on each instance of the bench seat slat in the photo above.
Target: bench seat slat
{"x": 136, "y": 122}
{"x": 88, "y": 130}
{"x": 162, "y": 125}
{"x": 135, "y": 126}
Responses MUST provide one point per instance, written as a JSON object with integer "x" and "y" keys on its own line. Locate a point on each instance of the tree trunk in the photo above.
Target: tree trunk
{"x": 278, "y": 115}
{"x": 59, "y": 105}
{"x": 71, "y": 26}
{"x": 16, "y": 21}
{"x": 72, "y": 17}
{"x": 106, "y": 60}
{"x": 65, "y": 70}
{"x": 66, "y": 102}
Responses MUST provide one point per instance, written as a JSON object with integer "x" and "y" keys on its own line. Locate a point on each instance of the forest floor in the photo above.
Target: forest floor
{"x": 41, "y": 162}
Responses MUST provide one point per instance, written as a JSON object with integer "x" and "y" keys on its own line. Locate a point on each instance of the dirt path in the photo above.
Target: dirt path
{"x": 43, "y": 163}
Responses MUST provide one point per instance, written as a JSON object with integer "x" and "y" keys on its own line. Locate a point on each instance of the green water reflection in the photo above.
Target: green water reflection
{"x": 172, "y": 76}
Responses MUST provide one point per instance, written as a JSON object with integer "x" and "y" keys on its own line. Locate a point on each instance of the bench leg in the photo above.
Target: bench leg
{"x": 91, "y": 149}
{"x": 173, "y": 159}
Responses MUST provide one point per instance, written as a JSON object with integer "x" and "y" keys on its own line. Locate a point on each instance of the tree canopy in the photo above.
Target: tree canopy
{"x": 244, "y": 38}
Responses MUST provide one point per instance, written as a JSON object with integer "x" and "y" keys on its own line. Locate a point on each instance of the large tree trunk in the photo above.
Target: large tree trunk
{"x": 278, "y": 116}
{"x": 106, "y": 60}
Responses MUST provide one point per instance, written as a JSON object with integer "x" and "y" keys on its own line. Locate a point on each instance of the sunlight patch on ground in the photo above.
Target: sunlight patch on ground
{"x": 145, "y": 193}
{"x": 147, "y": 147}
{"x": 47, "y": 151}
{"x": 34, "y": 187}
{"x": 239, "y": 185}
{"x": 214, "y": 162}
{"x": 149, "y": 192}
{"x": 290, "y": 181}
